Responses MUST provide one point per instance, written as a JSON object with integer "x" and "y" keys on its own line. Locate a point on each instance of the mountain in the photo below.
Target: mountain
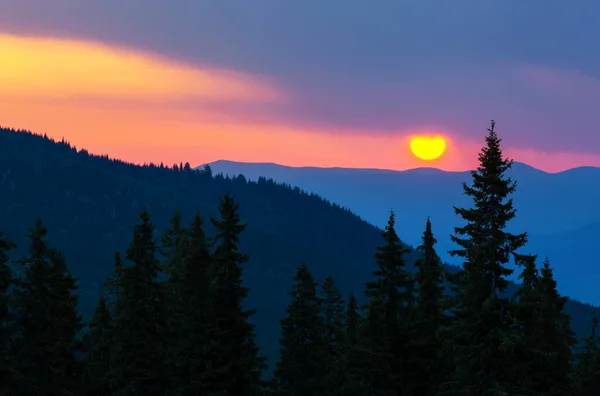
{"x": 556, "y": 209}
{"x": 90, "y": 204}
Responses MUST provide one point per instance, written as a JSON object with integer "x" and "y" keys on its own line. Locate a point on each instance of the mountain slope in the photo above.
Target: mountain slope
{"x": 550, "y": 207}
{"x": 91, "y": 203}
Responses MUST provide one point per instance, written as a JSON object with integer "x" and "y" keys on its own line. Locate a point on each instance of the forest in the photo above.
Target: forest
{"x": 174, "y": 319}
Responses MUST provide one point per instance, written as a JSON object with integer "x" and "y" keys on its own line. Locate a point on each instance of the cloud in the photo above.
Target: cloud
{"x": 58, "y": 68}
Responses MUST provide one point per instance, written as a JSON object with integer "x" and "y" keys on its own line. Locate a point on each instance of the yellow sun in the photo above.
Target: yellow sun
{"x": 428, "y": 147}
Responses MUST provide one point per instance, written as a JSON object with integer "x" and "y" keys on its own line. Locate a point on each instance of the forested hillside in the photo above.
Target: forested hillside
{"x": 90, "y": 204}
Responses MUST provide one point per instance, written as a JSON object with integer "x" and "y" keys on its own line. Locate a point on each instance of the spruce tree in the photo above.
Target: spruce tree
{"x": 236, "y": 366}
{"x": 351, "y": 363}
{"x": 587, "y": 371}
{"x": 555, "y": 337}
{"x": 6, "y": 281}
{"x": 174, "y": 247}
{"x": 97, "y": 351}
{"x": 139, "y": 320}
{"x": 334, "y": 336}
{"x": 192, "y": 317}
{"x": 385, "y": 335}
{"x": 430, "y": 318}
{"x": 47, "y": 321}
{"x": 483, "y": 336}
{"x": 304, "y": 359}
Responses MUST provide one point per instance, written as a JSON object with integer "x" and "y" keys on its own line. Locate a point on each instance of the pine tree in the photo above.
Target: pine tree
{"x": 6, "y": 281}
{"x": 236, "y": 365}
{"x": 193, "y": 316}
{"x": 587, "y": 370}
{"x": 430, "y": 318}
{"x": 385, "y": 336}
{"x": 351, "y": 363}
{"x": 304, "y": 351}
{"x": 174, "y": 247}
{"x": 97, "y": 349}
{"x": 482, "y": 329}
{"x": 47, "y": 321}
{"x": 139, "y": 320}
{"x": 555, "y": 337}
{"x": 334, "y": 336}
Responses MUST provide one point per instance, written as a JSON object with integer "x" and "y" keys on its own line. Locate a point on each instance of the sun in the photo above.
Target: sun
{"x": 428, "y": 147}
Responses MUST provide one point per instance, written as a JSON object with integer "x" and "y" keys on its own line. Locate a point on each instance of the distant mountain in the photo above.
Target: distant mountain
{"x": 554, "y": 208}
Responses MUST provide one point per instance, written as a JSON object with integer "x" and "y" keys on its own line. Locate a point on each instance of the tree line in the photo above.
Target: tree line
{"x": 173, "y": 322}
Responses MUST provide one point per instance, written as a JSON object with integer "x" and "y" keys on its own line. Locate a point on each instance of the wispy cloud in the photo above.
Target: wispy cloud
{"x": 42, "y": 68}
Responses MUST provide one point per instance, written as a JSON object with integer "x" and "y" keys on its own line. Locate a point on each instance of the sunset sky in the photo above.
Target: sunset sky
{"x": 319, "y": 83}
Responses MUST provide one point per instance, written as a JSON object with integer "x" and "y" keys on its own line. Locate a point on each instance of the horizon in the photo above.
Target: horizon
{"x": 104, "y": 78}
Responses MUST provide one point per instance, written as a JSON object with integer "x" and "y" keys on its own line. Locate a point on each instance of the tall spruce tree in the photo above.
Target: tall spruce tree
{"x": 430, "y": 317}
{"x": 6, "y": 281}
{"x": 174, "y": 247}
{"x": 47, "y": 321}
{"x": 483, "y": 334}
{"x": 192, "y": 318}
{"x": 236, "y": 365}
{"x": 385, "y": 335}
{"x": 303, "y": 362}
{"x": 97, "y": 351}
{"x": 139, "y": 355}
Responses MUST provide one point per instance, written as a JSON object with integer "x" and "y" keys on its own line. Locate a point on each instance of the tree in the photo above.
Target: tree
{"x": 47, "y": 321}
{"x": 236, "y": 364}
{"x": 430, "y": 318}
{"x": 334, "y": 336}
{"x": 587, "y": 370}
{"x": 304, "y": 350}
{"x": 482, "y": 328}
{"x": 192, "y": 316}
{"x": 139, "y": 319}
{"x": 385, "y": 335}
{"x": 555, "y": 337}
{"x": 6, "y": 281}
{"x": 97, "y": 350}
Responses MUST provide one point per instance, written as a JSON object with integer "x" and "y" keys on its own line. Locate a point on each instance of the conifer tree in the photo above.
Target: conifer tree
{"x": 6, "y": 281}
{"x": 587, "y": 371}
{"x": 334, "y": 336}
{"x": 139, "y": 320}
{"x": 351, "y": 365}
{"x": 430, "y": 318}
{"x": 555, "y": 337}
{"x": 304, "y": 351}
{"x": 47, "y": 321}
{"x": 193, "y": 316}
{"x": 352, "y": 321}
{"x": 174, "y": 247}
{"x": 385, "y": 336}
{"x": 97, "y": 350}
{"x": 482, "y": 329}
{"x": 236, "y": 365}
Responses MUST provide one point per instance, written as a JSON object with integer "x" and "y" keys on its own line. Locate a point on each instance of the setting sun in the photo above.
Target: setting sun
{"x": 428, "y": 147}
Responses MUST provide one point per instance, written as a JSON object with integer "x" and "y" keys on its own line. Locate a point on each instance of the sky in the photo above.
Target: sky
{"x": 305, "y": 83}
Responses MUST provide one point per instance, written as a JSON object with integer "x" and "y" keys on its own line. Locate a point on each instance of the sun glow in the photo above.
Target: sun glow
{"x": 428, "y": 147}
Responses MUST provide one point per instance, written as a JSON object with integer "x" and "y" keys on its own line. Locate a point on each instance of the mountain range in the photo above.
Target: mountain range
{"x": 559, "y": 211}
{"x": 91, "y": 203}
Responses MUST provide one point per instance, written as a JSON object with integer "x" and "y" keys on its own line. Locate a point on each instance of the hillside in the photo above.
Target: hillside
{"x": 90, "y": 202}
{"x": 559, "y": 211}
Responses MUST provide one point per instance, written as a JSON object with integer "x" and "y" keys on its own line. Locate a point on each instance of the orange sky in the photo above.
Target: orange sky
{"x": 142, "y": 108}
